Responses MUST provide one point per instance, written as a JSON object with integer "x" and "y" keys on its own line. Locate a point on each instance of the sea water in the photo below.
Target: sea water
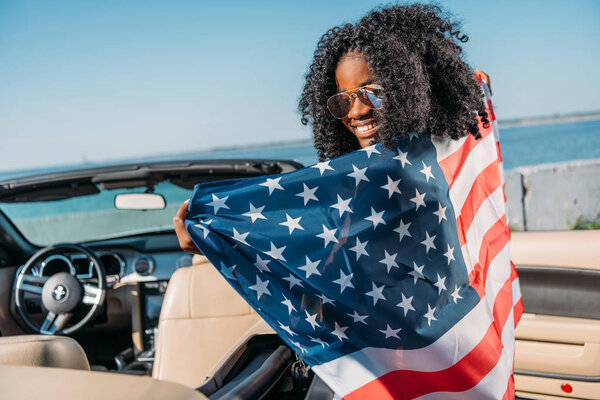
{"x": 521, "y": 146}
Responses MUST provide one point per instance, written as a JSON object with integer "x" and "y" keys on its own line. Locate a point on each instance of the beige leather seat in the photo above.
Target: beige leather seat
{"x": 202, "y": 317}
{"x": 42, "y": 351}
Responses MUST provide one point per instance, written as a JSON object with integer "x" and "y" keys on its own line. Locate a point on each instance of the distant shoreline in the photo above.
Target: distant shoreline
{"x": 547, "y": 120}
{"x": 505, "y": 123}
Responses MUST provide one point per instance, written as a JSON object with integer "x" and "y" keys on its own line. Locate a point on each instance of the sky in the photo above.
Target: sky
{"x": 91, "y": 81}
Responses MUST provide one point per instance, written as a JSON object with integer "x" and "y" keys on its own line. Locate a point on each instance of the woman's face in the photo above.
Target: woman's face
{"x": 353, "y": 72}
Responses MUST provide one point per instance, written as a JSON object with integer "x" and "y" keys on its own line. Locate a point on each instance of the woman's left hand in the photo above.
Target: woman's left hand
{"x": 185, "y": 241}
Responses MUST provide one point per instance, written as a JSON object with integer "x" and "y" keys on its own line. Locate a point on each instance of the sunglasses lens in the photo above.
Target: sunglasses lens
{"x": 339, "y": 105}
{"x": 371, "y": 97}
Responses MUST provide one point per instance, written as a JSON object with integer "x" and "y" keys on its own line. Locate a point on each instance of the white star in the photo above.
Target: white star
{"x": 402, "y": 157}
{"x": 260, "y": 287}
{"x": 429, "y": 315}
{"x": 293, "y": 281}
{"x": 402, "y": 230}
{"x": 389, "y": 332}
{"x": 391, "y": 187}
{"x": 389, "y": 261}
{"x": 376, "y": 293}
{"x": 455, "y": 295}
{"x": 292, "y": 223}
{"x": 344, "y": 281}
{"x": 358, "y": 174}
{"x": 310, "y": 267}
{"x": 262, "y": 264}
{"x": 325, "y": 299}
{"x": 413, "y": 135}
{"x": 406, "y": 304}
{"x": 328, "y": 235}
{"x": 427, "y": 171}
{"x": 218, "y": 203}
{"x": 449, "y": 254}
{"x": 255, "y": 213}
{"x": 417, "y": 272}
{"x": 240, "y": 237}
{"x": 276, "y": 253}
{"x": 440, "y": 283}
{"x": 323, "y": 166}
{"x": 272, "y": 184}
{"x": 205, "y": 230}
{"x": 419, "y": 199}
{"x": 339, "y": 332}
{"x": 356, "y": 317}
{"x": 228, "y": 271}
{"x": 287, "y": 302}
{"x": 428, "y": 242}
{"x": 318, "y": 341}
{"x": 298, "y": 345}
{"x": 359, "y": 249}
{"x": 342, "y": 205}
{"x": 441, "y": 213}
{"x": 370, "y": 150}
{"x": 376, "y": 218}
{"x": 312, "y": 320}
{"x": 287, "y": 329}
{"x": 308, "y": 194}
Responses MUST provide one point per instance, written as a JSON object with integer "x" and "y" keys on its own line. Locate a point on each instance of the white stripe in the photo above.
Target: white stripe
{"x": 350, "y": 372}
{"x": 516, "y": 291}
{"x": 480, "y": 157}
{"x": 489, "y": 212}
{"x": 495, "y": 383}
{"x": 445, "y": 146}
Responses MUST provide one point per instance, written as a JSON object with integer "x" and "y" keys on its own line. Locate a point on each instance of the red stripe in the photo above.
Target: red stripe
{"x": 494, "y": 240}
{"x": 510, "y": 389}
{"x": 518, "y": 311}
{"x": 466, "y": 373}
{"x": 452, "y": 165}
{"x": 490, "y": 110}
{"x": 498, "y": 151}
{"x": 485, "y": 184}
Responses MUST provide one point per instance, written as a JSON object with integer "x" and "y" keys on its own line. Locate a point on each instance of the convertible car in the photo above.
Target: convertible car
{"x": 97, "y": 300}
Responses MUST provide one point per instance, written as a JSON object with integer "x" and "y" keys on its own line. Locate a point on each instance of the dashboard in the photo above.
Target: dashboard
{"x": 137, "y": 273}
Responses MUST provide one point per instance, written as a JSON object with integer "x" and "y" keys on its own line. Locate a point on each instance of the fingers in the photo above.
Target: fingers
{"x": 185, "y": 241}
{"x": 182, "y": 212}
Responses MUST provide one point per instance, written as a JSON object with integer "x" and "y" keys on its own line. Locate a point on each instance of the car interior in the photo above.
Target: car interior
{"x": 151, "y": 321}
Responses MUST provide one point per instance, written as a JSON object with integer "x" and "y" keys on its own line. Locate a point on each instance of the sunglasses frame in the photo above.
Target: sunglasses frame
{"x": 353, "y": 94}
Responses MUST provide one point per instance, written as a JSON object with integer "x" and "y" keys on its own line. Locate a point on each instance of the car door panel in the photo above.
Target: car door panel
{"x": 558, "y": 338}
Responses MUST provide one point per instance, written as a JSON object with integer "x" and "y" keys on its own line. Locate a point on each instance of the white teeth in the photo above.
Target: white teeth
{"x": 364, "y": 128}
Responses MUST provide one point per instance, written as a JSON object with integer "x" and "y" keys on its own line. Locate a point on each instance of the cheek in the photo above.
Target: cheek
{"x": 346, "y": 122}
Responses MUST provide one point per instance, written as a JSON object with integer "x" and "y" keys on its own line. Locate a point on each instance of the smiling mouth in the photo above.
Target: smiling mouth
{"x": 366, "y": 130}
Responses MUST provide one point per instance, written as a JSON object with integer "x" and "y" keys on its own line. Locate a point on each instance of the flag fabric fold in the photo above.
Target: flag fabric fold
{"x": 387, "y": 271}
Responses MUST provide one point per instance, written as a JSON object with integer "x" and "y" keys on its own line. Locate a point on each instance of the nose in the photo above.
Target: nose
{"x": 358, "y": 110}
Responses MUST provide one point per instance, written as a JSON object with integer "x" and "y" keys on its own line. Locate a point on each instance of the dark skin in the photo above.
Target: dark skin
{"x": 351, "y": 73}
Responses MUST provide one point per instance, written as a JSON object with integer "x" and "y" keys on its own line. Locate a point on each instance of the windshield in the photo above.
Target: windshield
{"x": 93, "y": 217}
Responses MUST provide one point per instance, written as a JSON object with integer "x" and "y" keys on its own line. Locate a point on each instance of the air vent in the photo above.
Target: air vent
{"x": 144, "y": 265}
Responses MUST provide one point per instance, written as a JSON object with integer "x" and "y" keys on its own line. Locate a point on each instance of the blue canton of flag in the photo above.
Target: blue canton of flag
{"x": 359, "y": 251}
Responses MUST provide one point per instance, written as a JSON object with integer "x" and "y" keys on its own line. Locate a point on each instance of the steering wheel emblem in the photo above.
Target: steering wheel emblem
{"x": 59, "y": 293}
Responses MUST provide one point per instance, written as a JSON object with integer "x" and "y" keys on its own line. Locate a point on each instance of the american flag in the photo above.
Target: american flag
{"x": 387, "y": 271}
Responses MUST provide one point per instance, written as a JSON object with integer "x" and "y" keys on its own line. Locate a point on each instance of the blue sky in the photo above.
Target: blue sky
{"x": 89, "y": 80}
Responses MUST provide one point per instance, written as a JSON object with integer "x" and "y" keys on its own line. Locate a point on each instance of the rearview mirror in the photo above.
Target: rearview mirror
{"x": 140, "y": 201}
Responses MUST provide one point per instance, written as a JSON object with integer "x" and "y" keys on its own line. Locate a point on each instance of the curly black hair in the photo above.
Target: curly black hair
{"x": 414, "y": 52}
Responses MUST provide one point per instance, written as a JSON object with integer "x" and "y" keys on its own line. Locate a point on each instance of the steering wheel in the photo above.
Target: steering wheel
{"x": 62, "y": 292}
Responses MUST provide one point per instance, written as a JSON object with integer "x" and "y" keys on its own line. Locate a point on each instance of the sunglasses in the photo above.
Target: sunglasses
{"x": 339, "y": 104}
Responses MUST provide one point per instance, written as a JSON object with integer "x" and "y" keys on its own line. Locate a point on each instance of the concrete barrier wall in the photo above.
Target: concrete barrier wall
{"x": 553, "y": 196}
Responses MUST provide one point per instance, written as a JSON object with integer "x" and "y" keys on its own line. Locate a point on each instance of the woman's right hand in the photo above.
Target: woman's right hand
{"x": 185, "y": 241}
